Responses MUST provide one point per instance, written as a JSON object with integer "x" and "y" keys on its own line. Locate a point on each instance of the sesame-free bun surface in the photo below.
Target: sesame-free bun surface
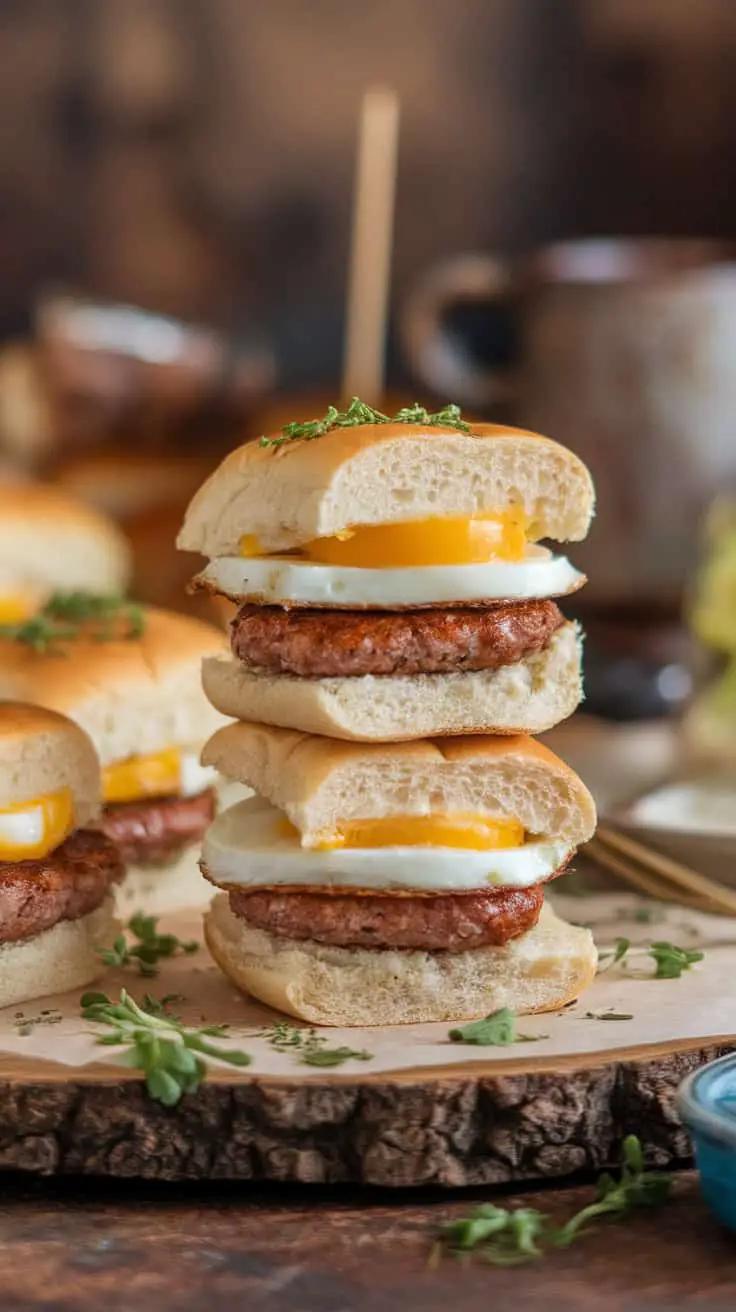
{"x": 529, "y": 696}
{"x": 319, "y": 782}
{"x": 132, "y": 696}
{"x": 384, "y": 473}
{"x": 62, "y": 958}
{"x": 541, "y": 971}
{"x": 42, "y": 752}
{"x": 49, "y": 542}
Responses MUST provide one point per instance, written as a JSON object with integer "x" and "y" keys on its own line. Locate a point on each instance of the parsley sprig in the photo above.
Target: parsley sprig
{"x": 508, "y": 1238}
{"x": 171, "y": 1055}
{"x": 358, "y": 413}
{"x": 310, "y": 1048}
{"x": 670, "y": 960}
{"x": 66, "y": 616}
{"x": 151, "y": 947}
{"x": 497, "y": 1030}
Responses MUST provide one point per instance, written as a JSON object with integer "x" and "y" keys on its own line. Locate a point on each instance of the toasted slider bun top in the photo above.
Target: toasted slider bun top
{"x": 134, "y": 696}
{"x": 41, "y": 753}
{"x": 50, "y": 542}
{"x": 386, "y": 473}
{"x": 320, "y": 782}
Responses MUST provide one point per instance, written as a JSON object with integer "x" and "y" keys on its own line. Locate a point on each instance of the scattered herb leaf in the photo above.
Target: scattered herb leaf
{"x": 310, "y": 1048}
{"x": 670, "y": 960}
{"x": 497, "y": 1030}
{"x": 169, "y": 1053}
{"x": 607, "y": 1015}
{"x": 507, "y": 1238}
{"x": 66, "y": 616}
{"x": 151, "y": 947}
{"x": 359, "y": 413}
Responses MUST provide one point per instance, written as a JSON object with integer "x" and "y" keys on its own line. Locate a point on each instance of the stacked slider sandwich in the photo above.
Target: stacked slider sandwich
{"x": 57, "y": 870}
{"x": 129, "y": 675}
{"x": 392, "y": 588}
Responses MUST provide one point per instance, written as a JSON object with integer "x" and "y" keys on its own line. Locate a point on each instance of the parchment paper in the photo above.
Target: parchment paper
{"x": 701, "y": 1004}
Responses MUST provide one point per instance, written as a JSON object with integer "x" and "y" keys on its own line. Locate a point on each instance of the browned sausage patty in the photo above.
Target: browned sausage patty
{"x": 324, "y": 644}
{"x": 441, "y": 923}
{"x": 67, "y": 884}
{"x": 156, "y": 831}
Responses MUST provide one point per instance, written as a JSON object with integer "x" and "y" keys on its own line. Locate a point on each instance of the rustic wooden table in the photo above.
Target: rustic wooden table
{"x": 80, "y": 1245}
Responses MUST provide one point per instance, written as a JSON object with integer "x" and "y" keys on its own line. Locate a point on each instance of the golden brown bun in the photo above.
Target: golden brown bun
{"x": 541, "y": 971}
{"x": 382, "y": 473}
{"x": 121, "y": 482}
{"x": 133, "y": 697}
{"x": 42, "y": 752}
{"x": 529, "y": 696}
{"x": 320, "y": 782}
{"x": 60, "y": 959}
{"x": 49, "y": 542}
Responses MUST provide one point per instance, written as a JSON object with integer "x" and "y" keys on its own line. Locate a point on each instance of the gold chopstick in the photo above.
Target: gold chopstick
{"x": 647, "y": 883}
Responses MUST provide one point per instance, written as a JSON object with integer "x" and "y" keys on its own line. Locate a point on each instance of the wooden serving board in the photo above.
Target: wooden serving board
{"x": 422, "y": 1111}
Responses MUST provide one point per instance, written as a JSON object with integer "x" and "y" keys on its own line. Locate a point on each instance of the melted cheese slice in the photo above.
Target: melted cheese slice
{"x": 17, "y": 606}
{"x": 31, "y": 830}
{"x": 172, "y": 773}
{"x": 251, "y": 846}
{"x": 437, "y": 541}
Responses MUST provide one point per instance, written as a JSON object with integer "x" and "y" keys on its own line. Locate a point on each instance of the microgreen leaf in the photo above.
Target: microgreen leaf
{"x": 151, "y": 947}
{"x": 497, "y": 1030}
{"x": 309, "y": 1048}
{"x": 67, "y": 616}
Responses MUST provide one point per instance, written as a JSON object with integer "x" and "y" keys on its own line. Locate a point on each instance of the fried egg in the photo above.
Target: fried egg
{"x": 172, "y": 773}
{"x": 33, "y": 829}
{"x": 251, "y": 846}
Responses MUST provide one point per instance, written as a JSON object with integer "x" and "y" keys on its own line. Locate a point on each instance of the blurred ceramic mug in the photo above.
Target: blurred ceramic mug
{"x": 623, "y": 350}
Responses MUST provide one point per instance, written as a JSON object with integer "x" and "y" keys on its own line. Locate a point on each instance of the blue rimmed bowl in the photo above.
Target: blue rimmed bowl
{"x": 707, "y": 1105}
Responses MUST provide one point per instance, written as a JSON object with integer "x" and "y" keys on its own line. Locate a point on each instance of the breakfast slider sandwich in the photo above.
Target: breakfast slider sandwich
{"x": 374, "y": 885}
{"x": 49, "y": 542}
{"x": 57, "y": 871}
{"x": 130, "y": 676}
{"x": 390, "y": 579}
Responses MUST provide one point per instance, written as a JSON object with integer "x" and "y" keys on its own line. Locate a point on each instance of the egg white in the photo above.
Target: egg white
{"x": 244, "y": 846}
{"x": 23, "y": 828}
{"x": 195, "y": 778}
{"x": 281, "y": 580}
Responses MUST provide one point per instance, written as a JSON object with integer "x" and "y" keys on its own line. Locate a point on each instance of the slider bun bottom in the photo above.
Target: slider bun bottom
{"x": 62, "y": 958}
{"x": 157, "y": 889}
{"x": 529, "y": 696}
{"x": 540, "y": 971}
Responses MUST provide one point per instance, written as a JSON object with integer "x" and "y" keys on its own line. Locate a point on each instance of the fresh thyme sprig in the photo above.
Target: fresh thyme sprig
{"x": 508, "y": 1238}
{"x": 171, "y": 1055}
{"x": 66, "y": 616}
{"x": 151, "y": 947}
{"x": 670, "y": 960}
{"x": 358, "y": 413}
{"x": 310, "y": 1048}
{"x": 497, "y": 1030}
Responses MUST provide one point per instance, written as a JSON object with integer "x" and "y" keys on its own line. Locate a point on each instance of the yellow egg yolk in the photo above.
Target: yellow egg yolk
{"x": 436, "y": 541}
{"x": 17, "y": 606}
{"x": 31, "y": 830}
{"x": 475, "y": 832}
{"x": 158, "y": 775}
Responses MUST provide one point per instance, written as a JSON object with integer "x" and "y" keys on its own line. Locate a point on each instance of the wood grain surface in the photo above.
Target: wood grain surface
{"x": 79, "y": 1246}
{"x": 453, "y": 1130}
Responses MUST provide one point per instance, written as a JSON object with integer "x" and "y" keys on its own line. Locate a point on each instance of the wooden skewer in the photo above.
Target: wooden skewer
{"x": 645, "y": 882}
{"x": 672, "y": 872}
{"x": 370, "y": 252}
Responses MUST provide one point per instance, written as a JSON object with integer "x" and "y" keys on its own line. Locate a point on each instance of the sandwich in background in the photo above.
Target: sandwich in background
{"x": 385, "y": 884}
{"x": 51, "y": 543}
{"x": 390, "y": 580}
{"x": 57, "y": 871}
{"x": 130, "y": 676}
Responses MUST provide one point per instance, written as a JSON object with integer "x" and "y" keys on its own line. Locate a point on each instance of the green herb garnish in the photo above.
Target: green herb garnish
{"x": 359, "y": 413}
{"x": 508, "y": 1238}
{"x": 607, "y": 1015}
{"x": 150, "y": 948}
{"x": 670, "y": 960}
{"x": 497, "y": 1030}
{"x": 170, "y": 1054}
{"x": 309, "y": 1047}
{"x": 66, "y": 616}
